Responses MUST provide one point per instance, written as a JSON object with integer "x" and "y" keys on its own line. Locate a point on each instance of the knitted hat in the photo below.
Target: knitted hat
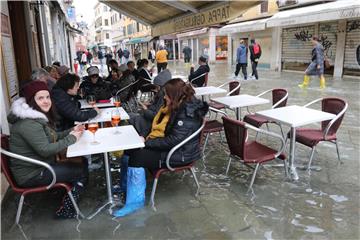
{"x": 93, "y": 70}
{"x": 30, "y": 89}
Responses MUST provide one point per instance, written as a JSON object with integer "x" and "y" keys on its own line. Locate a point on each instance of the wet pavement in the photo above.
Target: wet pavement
{"x": 323, "y": 204}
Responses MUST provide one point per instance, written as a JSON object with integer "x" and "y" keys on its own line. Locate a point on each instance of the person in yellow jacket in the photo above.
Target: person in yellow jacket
{"x": 161, "y": 58}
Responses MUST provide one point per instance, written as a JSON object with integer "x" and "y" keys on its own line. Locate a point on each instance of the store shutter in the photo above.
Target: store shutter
{"x": 352, "y": 46}
{"x": 296, "y": 45}
{"x": 328, "y": 37}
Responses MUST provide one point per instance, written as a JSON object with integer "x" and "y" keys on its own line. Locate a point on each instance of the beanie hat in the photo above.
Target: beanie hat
{"x": 30, "y": 89}
{"x": 93, "y": 70}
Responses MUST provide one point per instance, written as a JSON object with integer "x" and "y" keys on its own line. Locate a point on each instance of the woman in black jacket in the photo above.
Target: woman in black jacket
{"x": 180, "y": 116}
{"x": 67, "y": 106}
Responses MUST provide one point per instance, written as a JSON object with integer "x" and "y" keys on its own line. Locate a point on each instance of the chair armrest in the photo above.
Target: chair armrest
{"x": 281, "y": 149}
{"x": 264, "y": 92}
{"x": 312, "y": 102}
{"x": 33, "y": 161}
{"x": 181, "y": 144}
{"x": 235, "y": 89}
{"x": 198, "y": 77}
{"x": 211, "y": 109}
{"x": 280, "y": 101}
{"x": 340, "y": 114}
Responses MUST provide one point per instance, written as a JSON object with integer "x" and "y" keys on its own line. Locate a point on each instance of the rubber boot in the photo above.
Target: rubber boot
{"x": 305, "y": 82}
{"x": 67, "y": 209}
{"x": 322, "y": 82}
{"x": 135, "y": 194}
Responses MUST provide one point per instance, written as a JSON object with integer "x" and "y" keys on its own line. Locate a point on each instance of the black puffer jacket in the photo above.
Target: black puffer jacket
{"x": 100, "y": 89}
{"x": 181, "y": 125}
{"x": 199, "y": 82}
{"x": 68, "y": 109}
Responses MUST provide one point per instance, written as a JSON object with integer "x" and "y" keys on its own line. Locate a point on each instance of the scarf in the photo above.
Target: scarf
{"x": 159, "y": 123}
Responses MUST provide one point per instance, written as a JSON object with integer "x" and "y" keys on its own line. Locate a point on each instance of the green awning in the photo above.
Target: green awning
{"x": 139, "y": 40}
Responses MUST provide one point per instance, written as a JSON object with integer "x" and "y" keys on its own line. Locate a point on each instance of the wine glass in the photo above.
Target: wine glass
{"x": 117, "y": 101}
{"x": 91, "y": 100}
{"x": 115, "y": 119}
{"x": 93, "y": 127}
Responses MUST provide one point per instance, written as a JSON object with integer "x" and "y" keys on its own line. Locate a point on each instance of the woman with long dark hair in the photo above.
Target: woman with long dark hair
{"x": 180, "y": 116}
{"x": 33, "y": 135}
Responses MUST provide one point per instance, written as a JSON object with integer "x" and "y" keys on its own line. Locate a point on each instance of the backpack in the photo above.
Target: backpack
{"x": 256, "y": 48}
{"x": 126, "y": 53}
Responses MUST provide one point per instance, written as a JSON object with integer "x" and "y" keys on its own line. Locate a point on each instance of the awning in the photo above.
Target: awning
{"x": 341, "y": 9}
{"x": 139, "y": 40}
{"x": 192, "y": 33}
{"x": 166, "y": 17}
{"x": 249, "y": 26}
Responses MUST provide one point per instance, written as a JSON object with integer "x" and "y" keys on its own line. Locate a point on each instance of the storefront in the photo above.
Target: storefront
{"x": 352, "y": 48}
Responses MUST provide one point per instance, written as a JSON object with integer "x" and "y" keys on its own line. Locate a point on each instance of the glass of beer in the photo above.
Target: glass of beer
{"x": 93, "y": 127}
{"x": 117, "y": 101}
{"x": 115, "y": 119}
{"x": 91, "y": 100}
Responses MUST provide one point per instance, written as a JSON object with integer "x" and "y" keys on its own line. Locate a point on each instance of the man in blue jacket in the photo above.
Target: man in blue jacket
{"x": 241, "y": 59}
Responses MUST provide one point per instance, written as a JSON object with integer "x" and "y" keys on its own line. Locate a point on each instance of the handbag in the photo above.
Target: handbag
{"x": 327, "y": 63}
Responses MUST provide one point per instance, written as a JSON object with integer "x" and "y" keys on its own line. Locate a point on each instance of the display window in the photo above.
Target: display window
{"x": 221, "y": 47}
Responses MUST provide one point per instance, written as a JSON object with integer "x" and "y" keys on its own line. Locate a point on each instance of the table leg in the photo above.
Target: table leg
{"x": 238, "y": 114}
{"x": 203, "y": 98}
{"x": 293, "y": 172}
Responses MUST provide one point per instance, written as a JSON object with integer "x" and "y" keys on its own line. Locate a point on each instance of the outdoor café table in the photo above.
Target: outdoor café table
{"x": 240, "y": 101}
{"x": 85, "y": 104}
{"x": 108, "y": 142}
{"x": 105, "y": 115}
{"x": 295, "y": 116}
{"x": 202, "y": 91}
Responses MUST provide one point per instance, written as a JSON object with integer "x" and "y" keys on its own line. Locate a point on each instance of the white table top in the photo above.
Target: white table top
{"x": 128, "y": 139}
{"x": 296, "y": 116}
{"x": 242, "y": 100}
{"x": 85, "y": 104}
{"x": 105, "y": 115}
{"x": 200, "y": 91}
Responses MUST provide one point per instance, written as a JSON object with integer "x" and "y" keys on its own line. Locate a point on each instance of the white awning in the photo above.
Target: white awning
{"x": 192, "y": 33}
{"x": 341, "y": 9}
{"x": 256, "y": 25}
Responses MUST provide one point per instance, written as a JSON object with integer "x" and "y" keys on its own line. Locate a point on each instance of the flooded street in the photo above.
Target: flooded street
{"x": 322, "y": 204}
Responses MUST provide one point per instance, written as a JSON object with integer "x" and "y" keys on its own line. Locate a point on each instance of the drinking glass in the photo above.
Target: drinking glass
{"x": 115, "y": 119}
{"x": 93, "y": 127}
{"x": 91, "y": 100}
{"x": 117, "y": 101}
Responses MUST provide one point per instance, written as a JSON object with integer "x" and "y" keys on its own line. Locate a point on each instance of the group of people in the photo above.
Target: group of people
{"x": 42, "y": 125}
{"x": 242, "y": 58}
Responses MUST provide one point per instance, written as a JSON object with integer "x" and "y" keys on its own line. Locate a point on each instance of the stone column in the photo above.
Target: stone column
{"x": 340, "y": 49}
{"x": 229, "y": 49}
{"x": 212, "y": 45}
{"x": 276, "y": 50}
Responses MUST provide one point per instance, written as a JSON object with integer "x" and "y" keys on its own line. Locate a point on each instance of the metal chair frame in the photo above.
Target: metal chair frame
{"x": 232, "y": 91}
{"x": 25, "y": 191}
{"x": 280, "y": 150}
{"x": 326, "y": 130}
{"x": 202, "y": 75}
{"x": 189, "y": 167}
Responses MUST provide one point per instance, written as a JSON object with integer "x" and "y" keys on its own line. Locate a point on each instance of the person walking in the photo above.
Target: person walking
{"x": 255, "y": 54}
{"x": 161, "y": 59}
{"x": 241, "y": 59}
{"x": 187, "y": 56}
{"x": 316, "y": 66}
{"x": 120, "y": 55}
{"x": 126, "y": 55}
{"x": 151, "y": 55}
{"x": 101, "y": 58}
{"x": 83, "y": 63}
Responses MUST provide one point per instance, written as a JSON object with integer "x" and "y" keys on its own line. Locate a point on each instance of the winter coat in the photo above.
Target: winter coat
{"x": 201, "y": 70}
{"x": 187, "y": 52}
{"x": 317, "y": 54}
{"x": 185, "y": 121}
{"x": 241, "y": 54}
{"x": 124, "y": 84}
{"x": 100, "y": 89}
{"x": 68, "y": 109}
{"x": 31, "y": 136}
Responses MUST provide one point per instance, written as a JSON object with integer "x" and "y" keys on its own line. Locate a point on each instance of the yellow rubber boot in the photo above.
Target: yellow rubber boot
{"x": 322, "y": 82}
{"x": 305, "y": 83}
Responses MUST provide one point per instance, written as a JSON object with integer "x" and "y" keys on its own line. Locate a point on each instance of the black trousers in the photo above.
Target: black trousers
{"x": 65, "y": 172}
{"x": 254, "y": 70}
{"x": 145, "y": 157}
{"x": 243, "y": 69}
{"x": 161, "y": 66}
{"x": 187, "y": 59}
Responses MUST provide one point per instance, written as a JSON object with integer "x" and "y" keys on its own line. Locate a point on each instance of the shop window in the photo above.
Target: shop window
{"x": 264, "y": 6}
{"x": 105, "y": 9}
{"x": 221, "y": 47}
{"x": 107, "y": 36}
{"x": 106, "y": 22}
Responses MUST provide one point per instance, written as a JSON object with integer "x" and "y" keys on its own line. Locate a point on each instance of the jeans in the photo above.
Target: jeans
{"x": 243, "y": 69}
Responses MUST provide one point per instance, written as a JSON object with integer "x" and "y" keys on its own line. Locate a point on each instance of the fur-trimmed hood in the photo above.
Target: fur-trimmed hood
{"x": 21, "y": 110}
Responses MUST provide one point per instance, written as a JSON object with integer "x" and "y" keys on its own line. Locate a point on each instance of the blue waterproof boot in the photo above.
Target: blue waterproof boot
{"x": 135, "y": 194}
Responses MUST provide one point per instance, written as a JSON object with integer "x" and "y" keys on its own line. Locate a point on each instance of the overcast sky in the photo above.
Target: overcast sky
{"x": 86, "y": 9}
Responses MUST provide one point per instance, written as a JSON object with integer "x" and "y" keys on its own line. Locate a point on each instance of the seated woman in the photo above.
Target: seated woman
{"x": 68, "y": 107}
{"x": 180, "y": 116}
{"x": 145, "y": 77}
{"x": 125, "y": 83}
{"x": 93, "y": 84}
{"x": 33, "y": 135}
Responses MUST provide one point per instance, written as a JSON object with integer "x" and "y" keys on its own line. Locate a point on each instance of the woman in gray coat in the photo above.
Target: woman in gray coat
{"x": 33, "y": 135}
{"x": 316, "y": 66}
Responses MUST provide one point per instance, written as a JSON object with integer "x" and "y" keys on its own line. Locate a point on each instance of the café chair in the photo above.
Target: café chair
{"x": 5, "y": 169}
{"x": 234, "y": 89}
{"x": 204, "y": 75}
{"x": 327, "y": 132}
{"x": 279, "y": 99}
{"x": 250, "y": 152}
{"x": 169, "y": 168}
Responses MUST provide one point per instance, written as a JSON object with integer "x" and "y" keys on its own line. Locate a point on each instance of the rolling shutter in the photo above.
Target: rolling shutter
{"x": 352, "y": 45}
{"x": 327, "y": 37}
